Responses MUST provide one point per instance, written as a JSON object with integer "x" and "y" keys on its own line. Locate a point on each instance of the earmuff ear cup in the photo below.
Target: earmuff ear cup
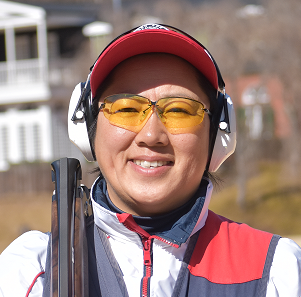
{"x": 225, "y": 143}
{"x": 77, "y": 130}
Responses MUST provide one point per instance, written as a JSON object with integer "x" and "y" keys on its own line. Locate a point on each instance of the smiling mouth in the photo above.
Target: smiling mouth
{"x": 152, "y": 164}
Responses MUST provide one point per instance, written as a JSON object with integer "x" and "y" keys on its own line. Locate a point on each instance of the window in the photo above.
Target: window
{"x": 26, "y": 46}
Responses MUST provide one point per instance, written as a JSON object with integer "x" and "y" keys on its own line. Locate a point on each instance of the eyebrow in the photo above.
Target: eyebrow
{"x": 181, "y": 95}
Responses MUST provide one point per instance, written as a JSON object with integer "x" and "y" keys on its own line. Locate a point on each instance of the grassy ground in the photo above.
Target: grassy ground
{"x": 273, "y": 203}
{"x": 23, "y": 213}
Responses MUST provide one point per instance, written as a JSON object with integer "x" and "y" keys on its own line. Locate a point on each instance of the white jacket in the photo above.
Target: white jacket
{"x": 22, "y": 264}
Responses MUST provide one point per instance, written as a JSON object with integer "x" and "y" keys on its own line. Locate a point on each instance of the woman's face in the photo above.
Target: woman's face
{"x": 124, "y": 156}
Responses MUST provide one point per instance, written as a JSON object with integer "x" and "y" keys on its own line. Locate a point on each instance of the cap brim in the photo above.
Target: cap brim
{"x": 152, "y": 41}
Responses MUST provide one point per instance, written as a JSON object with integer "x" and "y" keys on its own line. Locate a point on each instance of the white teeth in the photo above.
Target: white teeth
{"x": 145, "y": 164}
{"x": 152, "y": 164}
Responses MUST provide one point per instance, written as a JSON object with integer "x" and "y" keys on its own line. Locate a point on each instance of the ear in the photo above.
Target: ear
{"x": 225, "y": 141}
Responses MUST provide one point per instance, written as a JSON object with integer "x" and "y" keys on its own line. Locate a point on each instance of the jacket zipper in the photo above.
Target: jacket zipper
{"x": 147, "y": 243}
{"x": 147, "y": 259}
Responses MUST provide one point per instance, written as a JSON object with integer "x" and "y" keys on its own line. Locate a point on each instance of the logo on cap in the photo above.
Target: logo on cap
{"x": 150, "y": 26}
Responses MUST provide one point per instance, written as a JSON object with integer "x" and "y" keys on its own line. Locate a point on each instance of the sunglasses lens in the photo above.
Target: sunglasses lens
{"x": 132, "y": 111}
{"x": 127, "y": 111}
{"x": 180, "y": 112}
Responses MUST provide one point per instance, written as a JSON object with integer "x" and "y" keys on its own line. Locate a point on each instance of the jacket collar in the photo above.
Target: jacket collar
{"x": 175, "y": 227}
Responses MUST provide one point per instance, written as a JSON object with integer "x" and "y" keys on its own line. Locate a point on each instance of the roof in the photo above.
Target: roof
{"x": 13, "y": 14}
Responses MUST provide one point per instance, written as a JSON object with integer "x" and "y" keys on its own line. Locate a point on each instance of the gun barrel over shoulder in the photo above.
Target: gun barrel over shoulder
{"x": 68, "y": 231}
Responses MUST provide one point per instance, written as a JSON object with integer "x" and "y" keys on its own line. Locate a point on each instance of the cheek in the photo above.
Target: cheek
{"x": 194, "y": 148}
{"x": 196, "y": 145}
{"x": 196, "y": 153}
{"x": 110, "y": 141}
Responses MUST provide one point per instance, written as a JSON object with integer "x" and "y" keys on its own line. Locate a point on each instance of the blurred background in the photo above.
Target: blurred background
{"x": 47, "y": 47}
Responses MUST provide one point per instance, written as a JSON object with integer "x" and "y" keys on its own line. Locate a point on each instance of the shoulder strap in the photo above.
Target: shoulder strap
{"x": 262, "y": 288}
{"x": 182, "y": 280}
{"x": 105, "y": 276}
{"x": 47, "y": 275}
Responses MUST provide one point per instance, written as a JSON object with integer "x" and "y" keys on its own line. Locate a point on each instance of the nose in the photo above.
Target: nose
{"x": 153, "y": 133}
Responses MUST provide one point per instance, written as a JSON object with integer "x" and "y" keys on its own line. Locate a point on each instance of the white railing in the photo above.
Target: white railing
{"x": 65, "y": 72}
{"x": 25, "y": 135}
{"x": 13, "y": 73}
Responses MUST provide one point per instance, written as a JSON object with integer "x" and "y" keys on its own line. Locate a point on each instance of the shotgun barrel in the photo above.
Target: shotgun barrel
{"x": 68, "y": 231}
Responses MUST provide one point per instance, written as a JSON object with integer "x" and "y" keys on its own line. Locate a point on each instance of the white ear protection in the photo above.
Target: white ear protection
{"x": 77, "y": 129}
{"x": 225, "y": 141}
{"x": 79, "y": 121}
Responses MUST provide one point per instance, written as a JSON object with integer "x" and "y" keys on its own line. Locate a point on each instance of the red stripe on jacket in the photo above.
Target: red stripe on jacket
{"x": 229, "y": 253}
{"x": 33, "y": 282}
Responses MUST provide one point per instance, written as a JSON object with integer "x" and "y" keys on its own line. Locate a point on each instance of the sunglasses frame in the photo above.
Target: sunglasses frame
{"x": 150, "y": 104}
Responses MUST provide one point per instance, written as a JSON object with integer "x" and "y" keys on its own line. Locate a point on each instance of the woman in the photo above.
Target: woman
{"x": 156, "y": 123}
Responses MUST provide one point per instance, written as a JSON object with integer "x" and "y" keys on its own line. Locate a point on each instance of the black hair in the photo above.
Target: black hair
{"x": 211, "y": 93}
{"x": 95, "y": 108}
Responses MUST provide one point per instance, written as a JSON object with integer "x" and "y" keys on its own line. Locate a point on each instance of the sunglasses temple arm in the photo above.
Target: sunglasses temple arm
{"x": 100, "y": 108}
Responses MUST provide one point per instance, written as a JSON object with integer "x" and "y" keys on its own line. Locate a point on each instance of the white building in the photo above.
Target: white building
{"x": 25, "y": 133}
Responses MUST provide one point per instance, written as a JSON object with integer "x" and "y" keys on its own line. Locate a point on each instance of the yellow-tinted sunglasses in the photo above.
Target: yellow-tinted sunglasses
{"x": 131, "y": 112}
